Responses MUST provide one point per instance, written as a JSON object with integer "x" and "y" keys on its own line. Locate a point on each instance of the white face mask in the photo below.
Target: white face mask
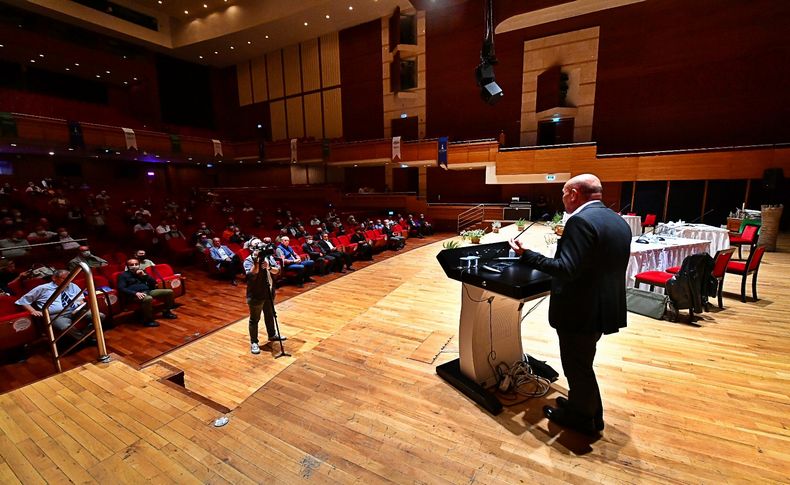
{"x": 134, "y": 267}
{"x": 86, "y": 254}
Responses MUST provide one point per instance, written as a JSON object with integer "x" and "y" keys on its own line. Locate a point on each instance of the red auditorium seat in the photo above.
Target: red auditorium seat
{"x": 166, "y": 278}
{"x": 17, "y": 328}
{"x": 750, "y": 267}
{"x": 179, "y": 250}
{"x": 650, "y": 221}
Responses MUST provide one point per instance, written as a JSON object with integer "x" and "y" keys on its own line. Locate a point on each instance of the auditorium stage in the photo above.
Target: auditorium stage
{"x": 359, "y": 400}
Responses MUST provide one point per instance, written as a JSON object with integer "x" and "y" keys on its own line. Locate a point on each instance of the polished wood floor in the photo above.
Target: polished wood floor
{"x": 359, "y": 400}
{"x": 207, "y": 306}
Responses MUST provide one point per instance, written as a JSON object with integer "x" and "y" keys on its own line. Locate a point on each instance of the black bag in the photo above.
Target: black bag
{"x": 691, "y": 286}
{"x": 646, "y": 303}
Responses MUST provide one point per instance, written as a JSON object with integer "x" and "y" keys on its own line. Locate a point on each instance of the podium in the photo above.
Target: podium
{"x": 490, "y": 322}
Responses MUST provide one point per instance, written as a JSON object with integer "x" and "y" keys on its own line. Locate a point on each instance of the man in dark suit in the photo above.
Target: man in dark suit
{"x": 340, "y": 256}
{"x": 587, "y": 295}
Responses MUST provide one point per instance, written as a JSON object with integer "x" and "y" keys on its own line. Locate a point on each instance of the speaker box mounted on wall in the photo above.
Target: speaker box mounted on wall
{"x": 491, "y": 93}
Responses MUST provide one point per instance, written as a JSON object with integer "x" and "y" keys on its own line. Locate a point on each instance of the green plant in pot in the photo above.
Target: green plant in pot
{"x": 450, "y": 244}
{"x": 473, "y": 235}
{"x": 556, "y": 224}
{"x": 521, "y": 224}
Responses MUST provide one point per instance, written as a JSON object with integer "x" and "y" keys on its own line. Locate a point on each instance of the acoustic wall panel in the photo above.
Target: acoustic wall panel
{"x": 292, "y": 66}
{"x": 244, "y": 83}
{"x": 295, "y": 117}
{"x": 311, "y": 68}
{"x": 330, "y": 60}
{"x": 277, "y": 119}
{"x": 312, "y": 115}
{"x": 333, "y": 114}
{"x": 298, "y": 174}
{"x": 274, "y": 69}
{"x": 259, "y": 84}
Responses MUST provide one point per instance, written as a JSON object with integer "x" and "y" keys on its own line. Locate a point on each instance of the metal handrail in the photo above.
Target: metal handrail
{"x": 94, "y": 312}
{"x": 470, "y": 217}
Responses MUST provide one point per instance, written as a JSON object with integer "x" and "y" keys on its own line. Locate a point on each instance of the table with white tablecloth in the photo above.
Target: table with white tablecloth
{"x": 660, "y": 255}
{"x": 718, "y": 236}
{"x": 635, "y": 223}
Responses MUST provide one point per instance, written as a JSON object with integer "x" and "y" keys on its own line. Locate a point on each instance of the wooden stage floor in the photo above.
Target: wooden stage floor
{"x": 360, "y": 402}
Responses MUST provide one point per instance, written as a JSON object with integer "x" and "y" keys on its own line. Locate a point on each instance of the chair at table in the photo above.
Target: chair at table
{"x": 748, "y": 236}
{"x": 750, "y": 267}
{"x": 720, "y": 261}
{"x": 688, "y": 288}
{"x": 650, "y": 221}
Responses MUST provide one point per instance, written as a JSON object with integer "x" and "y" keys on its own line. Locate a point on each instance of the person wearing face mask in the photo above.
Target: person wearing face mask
{"x": 324, "y": 262}
{"x": 135, "y": 284}
{"x": 66, "y": 241}
{"x": 85, "y": 256}
{"x": 144, "y": 263}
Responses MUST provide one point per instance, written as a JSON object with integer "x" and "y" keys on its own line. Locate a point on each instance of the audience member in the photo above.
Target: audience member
{"x": 292, "y": 261}
{"x": 364, "y": 247}
{"x": 324, "y": 263}
{"x": 85, "y": 256}
{"x": 40, "y": 235}
{"x": 65, "y": 240}
{"x": 226, "y": 260}
{"x": 144, "y": 263}
{"x": 135, "y": 283}
{"x": 16, "y": 241}
{"x": 329, "y": 249}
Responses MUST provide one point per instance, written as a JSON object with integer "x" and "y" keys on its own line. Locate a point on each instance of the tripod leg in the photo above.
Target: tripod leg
{"x": 282, "y": 353}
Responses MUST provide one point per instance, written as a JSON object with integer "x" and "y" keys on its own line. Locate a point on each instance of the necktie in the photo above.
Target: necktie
{"x": 64, "y": 300}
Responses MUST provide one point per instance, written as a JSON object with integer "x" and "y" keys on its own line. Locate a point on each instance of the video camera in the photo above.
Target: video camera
{"x": 261, "y": 249}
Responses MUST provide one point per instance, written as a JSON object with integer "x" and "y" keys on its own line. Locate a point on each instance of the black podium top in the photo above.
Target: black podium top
{"x": 515, "y": 281}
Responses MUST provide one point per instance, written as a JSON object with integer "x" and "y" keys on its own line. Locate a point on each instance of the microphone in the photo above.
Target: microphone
{"x": 624, "y": 208}
{"x": 697, "y": 219}
{"x": 543, "y": 218}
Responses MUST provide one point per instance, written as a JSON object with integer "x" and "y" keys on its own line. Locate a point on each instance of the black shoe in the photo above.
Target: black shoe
{"x": 566, "y": 420}
{"x": 562, "y": 403}
{"x": 169, "y": 315}
{"x": 152, "y": 323}
{"x": 278, "y": 338}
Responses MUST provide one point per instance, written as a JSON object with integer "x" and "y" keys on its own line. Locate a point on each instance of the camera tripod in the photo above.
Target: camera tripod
{"x": 282, "y": 353}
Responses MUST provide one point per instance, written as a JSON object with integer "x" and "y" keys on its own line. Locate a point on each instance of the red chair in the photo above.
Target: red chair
{"x": 650, "y": 221}
{"x": 166, "y": 278}
{"x": 750, "y": 267}
{"x": 17, "y": 328}
{"x": 346, "y": 244}
{"x": 653, "y": 278}
{"x": 748, "y": 236}
{"x": 720, "y": 262}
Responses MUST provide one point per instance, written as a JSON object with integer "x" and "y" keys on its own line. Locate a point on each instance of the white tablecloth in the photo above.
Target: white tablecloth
{"x": 660, "y": 255}
{"x": 719, "y": 237}
{"x": 636, "y": 224}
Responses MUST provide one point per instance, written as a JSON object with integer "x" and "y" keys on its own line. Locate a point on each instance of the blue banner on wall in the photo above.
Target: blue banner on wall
{"x": 443, "y": 152}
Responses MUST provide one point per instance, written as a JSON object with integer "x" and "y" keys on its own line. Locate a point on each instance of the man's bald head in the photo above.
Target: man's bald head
{"x": 581, "y": 189}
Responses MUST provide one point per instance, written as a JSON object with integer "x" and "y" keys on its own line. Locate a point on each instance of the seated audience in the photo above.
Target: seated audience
{"x": 329, "y": 249}
{"x": 16, "y": 241}
{"x": 40, "y": 235}
{"x": 425, "y": 225}
{"x": 163, "y": 230}
{"x": 135, "y": 284}
{"x": 62, "y": 310}
{"x": 415, "y": 227}
{"x": 225, "y": 259}
{"x": 292, "y": 261}
{"x": 66, "y": 241}
{"x": 144, "y": 263}
{"x": 324, "y": 263}
{"x": 85, "y": 256}
{"x": 364, "y": 247}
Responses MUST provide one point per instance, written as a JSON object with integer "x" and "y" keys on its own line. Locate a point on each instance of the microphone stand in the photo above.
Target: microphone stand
{"x": 624, "y": 208}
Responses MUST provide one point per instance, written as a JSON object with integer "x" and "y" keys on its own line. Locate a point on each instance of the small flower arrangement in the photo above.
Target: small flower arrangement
{"x": 473, "y": 235}
{"x": 495, "y": 226}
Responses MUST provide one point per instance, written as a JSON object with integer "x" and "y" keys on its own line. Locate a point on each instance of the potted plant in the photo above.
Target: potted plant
{"x": 450, "y": 244}
{"x": 556, "y": 224}
{"x": 495, "y": 226}
{"x": 473, "y": 235}
{"x": 521, "y": 224}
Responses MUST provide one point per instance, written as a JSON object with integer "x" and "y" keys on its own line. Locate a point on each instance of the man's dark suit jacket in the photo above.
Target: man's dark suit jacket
{"x": 588, "y": 270}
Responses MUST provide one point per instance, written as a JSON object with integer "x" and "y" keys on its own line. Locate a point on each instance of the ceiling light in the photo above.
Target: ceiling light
{"x": 68, "y": 69}
{"x": 108, "y": 72}
{"x": 98, "y": 75}
{"x": 186, "y": 12}
{"x": 1, "y": 45}
{"x": 215, "y": 52}
{"x": 231, "y": 47}
{"x": 33, "y": 61}
{"x": 41, "y": 55}
{"x": 201, "y": 57}
{"x": 134, "y": 79}
{"x": 13, "y": 144}
{"x": 71, "y": 149}
{"x": 125, "y": 83}
{"x": 205, "y": 6}
{"x": 350, "y": 7}
{"x": 160, "y": 2}
{"x": 267, "y": 36}
{"x": 77, "y": 64}
{"x": 327, "y": 15}
{"x": 249, "y": 42}
{"x": 51, "y": 153}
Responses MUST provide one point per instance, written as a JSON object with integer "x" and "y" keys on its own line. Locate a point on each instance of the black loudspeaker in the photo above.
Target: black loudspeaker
{"x": 773, "y": 178}
{"x": 491, "y": 93}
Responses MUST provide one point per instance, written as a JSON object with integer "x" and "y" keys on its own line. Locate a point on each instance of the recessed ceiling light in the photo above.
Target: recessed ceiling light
{"x": 205, "y": 6}
{"x": 351, "y": 7}
{"x": 33, "y": 61}
{"x": 98, "y": 75}
{"x": 108, "y": 72}
{"x": 77, "y": 64}
{"x": 41, "y": 55}
{"x": 134, "y": 79}
{"x": 327, "y": 15}
{"x": 1, "y": 45}
{"x": 249, "y": 42}
{"x": 71, "y": 149}
{"x": 305, "y": 24}
{"x": 51, "y": 153}
{"x": 186, "y": 12}
{"x": 126, "y": 82}
{"x": 68, "y": 69}
{"x": 13, "y": 144}
{"x": 201, "y": 57}
{"x": 160, "y": 2}
{"x": 215, "y": 52}
{"x": 267, "y": 36}
{"x": 231, "y": 47}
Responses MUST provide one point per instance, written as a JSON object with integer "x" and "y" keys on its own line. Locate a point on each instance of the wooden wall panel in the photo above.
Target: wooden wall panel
{"x": 260, "y": 88}
{"x": 277, "y": 115}
{"x": 298, "y": 174}
{"x": 313, "y": 116}
{"x": 293, "y": 72}
{"x": 274, "y": 68}
{"x": 311, "y": 68}
{"x": 333, "y": 114}
{"x": 245, "y": 83}
{"x": 295, "y": 117}
{"x": 330, "y": 60}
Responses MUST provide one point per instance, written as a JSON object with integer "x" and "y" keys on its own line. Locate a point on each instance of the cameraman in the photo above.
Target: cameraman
{"x": 259, "y": 266}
